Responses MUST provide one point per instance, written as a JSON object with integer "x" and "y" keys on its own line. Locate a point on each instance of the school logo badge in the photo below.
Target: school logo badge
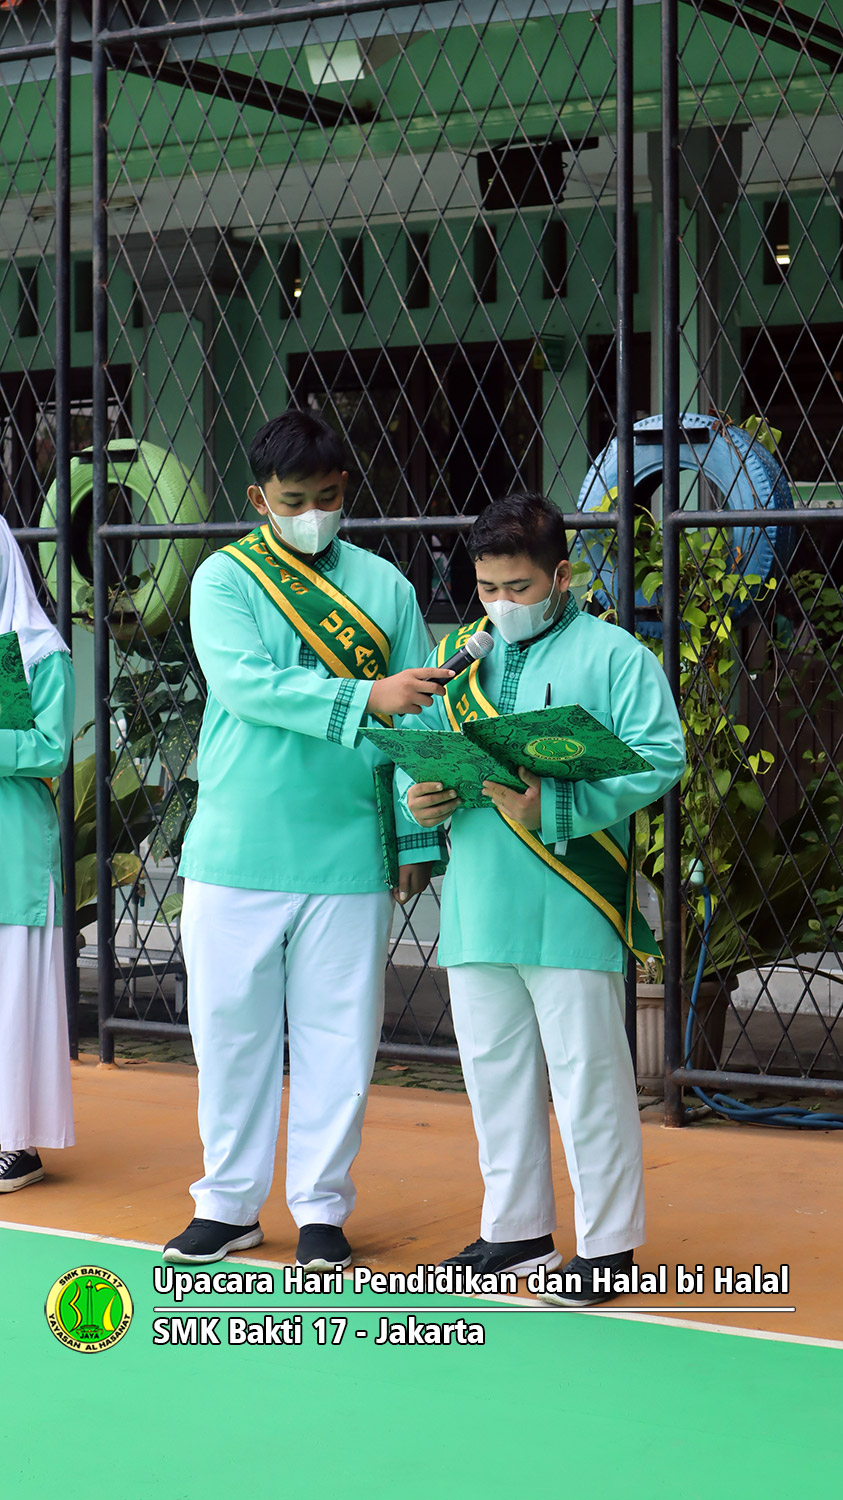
{"x": 555, "y": 747}
{"x": 89, "y": 1309}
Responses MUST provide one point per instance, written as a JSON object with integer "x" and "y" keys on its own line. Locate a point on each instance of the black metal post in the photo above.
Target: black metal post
{"x": 625, "y": 585}
{"x": 102, "y": 683}
{"x": 625, "y": 323}
{"x": 62, "y": 250}
{"x": 671, "y": 603}
{"x": 29, "y": 51}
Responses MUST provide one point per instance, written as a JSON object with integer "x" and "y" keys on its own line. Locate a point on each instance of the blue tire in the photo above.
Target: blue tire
{"x": 747, "y": 476}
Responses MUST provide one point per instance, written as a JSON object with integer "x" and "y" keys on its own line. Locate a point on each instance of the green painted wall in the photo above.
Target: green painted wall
{"x": 253, "y": 341}
{"x": 203, "y": 385}
{"x": 448, "y": 87}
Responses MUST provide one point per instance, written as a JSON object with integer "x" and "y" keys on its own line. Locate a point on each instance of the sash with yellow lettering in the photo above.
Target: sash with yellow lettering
{"x": 596, "y": 866}
{"x": 337, "y": 629}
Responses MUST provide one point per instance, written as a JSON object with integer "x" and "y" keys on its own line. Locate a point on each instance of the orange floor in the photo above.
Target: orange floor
{"x": 717, "y": 1195}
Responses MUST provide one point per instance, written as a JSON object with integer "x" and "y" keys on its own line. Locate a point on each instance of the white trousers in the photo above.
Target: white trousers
{"x": 36, "y": 1105}
{"x": 515, "y": 1025}
{"x": 251, "y": 955}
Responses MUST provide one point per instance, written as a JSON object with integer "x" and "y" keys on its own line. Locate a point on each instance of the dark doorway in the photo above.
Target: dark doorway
{"x": 602, "y": 356}
{"x": 793, "y": 378}
{"x": 438, "y": 431}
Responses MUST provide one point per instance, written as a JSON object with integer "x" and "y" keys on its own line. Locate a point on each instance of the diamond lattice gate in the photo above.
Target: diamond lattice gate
{"x": 489, "y": 239}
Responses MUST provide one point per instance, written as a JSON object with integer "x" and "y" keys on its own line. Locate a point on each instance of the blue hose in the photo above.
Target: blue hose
{"x": 734, "y": 1109}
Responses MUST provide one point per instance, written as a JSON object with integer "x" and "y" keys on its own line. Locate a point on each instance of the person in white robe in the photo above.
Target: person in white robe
{"x": 36, "y": 1109}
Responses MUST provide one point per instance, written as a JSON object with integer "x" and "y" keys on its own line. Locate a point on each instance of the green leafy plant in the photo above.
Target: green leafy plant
{"x": 132, "y": 818}
{"x": 785, "y": 887}
{"x": 809, "y": 635}
{"x": 773, "y": 892}
{"x": 163, "y": 713}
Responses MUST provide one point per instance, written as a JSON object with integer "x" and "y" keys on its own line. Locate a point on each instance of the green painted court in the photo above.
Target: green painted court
{"x": 551, "y": 1403}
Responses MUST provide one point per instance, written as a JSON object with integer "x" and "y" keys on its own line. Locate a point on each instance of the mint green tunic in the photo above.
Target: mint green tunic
{"x": 500, "y": 903}
{"x": 286, "y": 794}
{"x": 29, "y": 830}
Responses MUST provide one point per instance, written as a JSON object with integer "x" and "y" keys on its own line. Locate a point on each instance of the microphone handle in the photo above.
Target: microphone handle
{"x": 458, "y": 662}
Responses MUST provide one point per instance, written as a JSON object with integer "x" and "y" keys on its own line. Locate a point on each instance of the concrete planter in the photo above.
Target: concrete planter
{"x": 712, "y": 1005}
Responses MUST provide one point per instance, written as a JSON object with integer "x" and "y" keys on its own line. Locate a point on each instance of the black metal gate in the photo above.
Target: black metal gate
{"x": 489, "y": 239}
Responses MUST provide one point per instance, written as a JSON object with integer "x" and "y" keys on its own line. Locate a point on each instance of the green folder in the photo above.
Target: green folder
{"x": 384, "y": 774}
{"x": 566, "y": 743}
{"x": 15, "y": 702}
{"x": 386, "y": 823}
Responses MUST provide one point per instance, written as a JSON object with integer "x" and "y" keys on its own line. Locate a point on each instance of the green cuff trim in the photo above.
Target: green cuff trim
{"x": 423, "y": 848}
{"x": 564, "y": 810}
{"x": 547, "y": 804}
{"x": 429, "y": 840}
{"x": 339, "y": 713}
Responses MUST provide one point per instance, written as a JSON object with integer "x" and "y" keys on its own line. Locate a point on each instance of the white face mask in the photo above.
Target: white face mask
{"x": 520, "y": 622}
{"x": 310, "y": 532}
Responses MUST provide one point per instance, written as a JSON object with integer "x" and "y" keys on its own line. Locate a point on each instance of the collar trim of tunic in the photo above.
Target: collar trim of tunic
{"x": 326, "y": 561}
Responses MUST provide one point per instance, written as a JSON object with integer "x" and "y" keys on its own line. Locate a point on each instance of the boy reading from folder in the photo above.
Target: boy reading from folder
{"x": 300, "y": 636}
{"x": 536, "y": 925}
{"x": 36, "y": 729}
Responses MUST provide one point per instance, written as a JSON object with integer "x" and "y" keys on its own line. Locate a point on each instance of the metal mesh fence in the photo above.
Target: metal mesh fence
{"x": 493, "y": 255}
{"x": 755, "y": 105}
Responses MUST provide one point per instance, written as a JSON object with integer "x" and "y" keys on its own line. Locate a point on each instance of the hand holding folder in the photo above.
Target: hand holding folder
{"x": 567, "y": 743}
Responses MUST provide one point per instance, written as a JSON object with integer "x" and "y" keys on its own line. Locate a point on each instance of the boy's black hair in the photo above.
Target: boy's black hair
{"x": 295, "y": 445}
{"x": 524, "y": 522}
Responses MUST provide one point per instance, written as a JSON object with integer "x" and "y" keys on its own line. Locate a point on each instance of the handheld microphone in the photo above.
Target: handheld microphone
{"x": 477, "y": 646}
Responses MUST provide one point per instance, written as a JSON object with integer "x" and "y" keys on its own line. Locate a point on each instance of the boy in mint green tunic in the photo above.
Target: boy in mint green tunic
{"x": 286, "y": 908}
{"x": 535, "y": 954}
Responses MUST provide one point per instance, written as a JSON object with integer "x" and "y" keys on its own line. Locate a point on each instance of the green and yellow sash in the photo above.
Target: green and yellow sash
{"x": 596, "y": 866}
{"x": 337, "y": 629}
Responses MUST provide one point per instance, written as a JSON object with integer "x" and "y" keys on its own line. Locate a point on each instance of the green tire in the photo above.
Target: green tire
{"x": 160, "y": 593}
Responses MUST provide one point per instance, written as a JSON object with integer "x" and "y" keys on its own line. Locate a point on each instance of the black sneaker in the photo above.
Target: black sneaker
{"x": 207, "y": 1239}
{"x": 558, "y": 1293}
{"x": 520, "y": 1256}
{"x": 322, "y": 1247}
{"x": 18, "y": 1169}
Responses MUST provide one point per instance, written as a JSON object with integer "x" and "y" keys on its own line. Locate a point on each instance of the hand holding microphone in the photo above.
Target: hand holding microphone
{"x": 476, "y": 647}
{"x": 410, "y": 691}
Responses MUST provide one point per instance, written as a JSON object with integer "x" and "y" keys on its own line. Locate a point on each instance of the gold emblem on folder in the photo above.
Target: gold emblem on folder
{"x": 555, "y": 747}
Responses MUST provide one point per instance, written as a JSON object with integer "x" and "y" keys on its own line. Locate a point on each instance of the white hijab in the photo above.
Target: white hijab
{"x": 19, "y": 608}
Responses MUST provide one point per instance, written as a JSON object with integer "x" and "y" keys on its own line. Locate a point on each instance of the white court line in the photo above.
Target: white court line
{"x": 525, "y": 1302}
{"x": 79, "y": 1234}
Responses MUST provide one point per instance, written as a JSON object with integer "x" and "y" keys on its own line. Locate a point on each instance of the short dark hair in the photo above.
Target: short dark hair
{"x": 295, "y": 445}
{"x": 524, "y": 522}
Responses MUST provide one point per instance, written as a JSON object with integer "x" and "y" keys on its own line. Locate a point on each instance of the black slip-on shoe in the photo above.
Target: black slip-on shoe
{"x": 207, "y": 1239}
{"x": 18, "y": 1169}
{"x": 518, "y": 1256}
{"x": 562, "y": 1290}
{"x": 322, "y": 1247}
